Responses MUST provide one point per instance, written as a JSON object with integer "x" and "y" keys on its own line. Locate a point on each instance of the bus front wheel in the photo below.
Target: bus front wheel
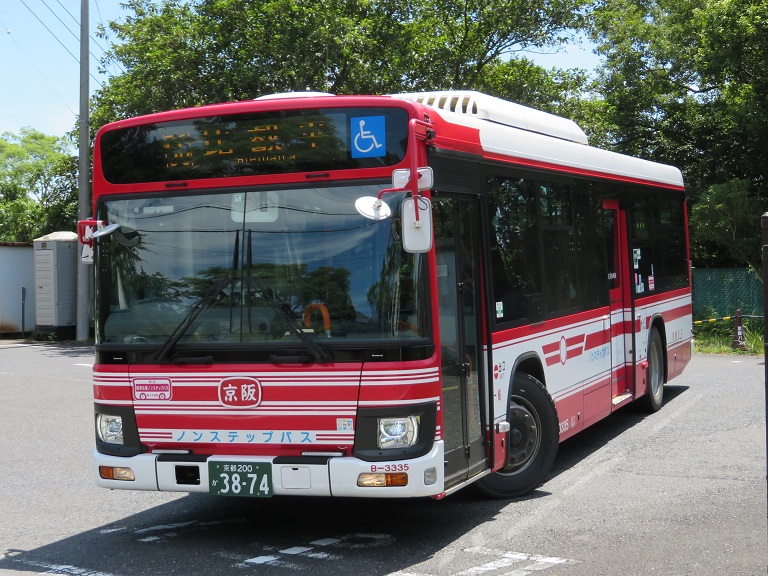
{"x": 531, "y": 442}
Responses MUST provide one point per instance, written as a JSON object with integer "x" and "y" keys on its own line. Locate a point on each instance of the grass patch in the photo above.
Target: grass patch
{"x": 717, "y": 338}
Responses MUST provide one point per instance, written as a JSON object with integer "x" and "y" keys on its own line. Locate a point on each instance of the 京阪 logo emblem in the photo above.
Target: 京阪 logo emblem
{"x": 240, "y": 392}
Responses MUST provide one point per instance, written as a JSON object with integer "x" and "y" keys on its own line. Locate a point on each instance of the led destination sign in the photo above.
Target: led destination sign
{"x": 255, "y": 144}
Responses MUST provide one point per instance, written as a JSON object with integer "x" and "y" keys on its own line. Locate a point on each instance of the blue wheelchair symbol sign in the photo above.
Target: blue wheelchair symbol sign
{"x": 368, "y": 135}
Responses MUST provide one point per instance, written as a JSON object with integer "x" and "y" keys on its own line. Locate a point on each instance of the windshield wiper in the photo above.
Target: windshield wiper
{"x": 319, "y": 353}
{"x": 197, "y": 308}
{"x": 205, "y": 302}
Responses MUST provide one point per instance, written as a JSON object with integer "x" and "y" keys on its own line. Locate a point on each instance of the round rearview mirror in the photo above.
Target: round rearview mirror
{"x": 106, "y": 231}
{"x": 372, "y": 208}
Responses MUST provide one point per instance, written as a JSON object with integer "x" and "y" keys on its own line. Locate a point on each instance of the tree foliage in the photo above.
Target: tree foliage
{"x": 726, "y": 224}
{"x": 38, "y": 185}
{"x": 179, "y": 53}
{"x": 682, "y": 82}
{"x": 686, "y": 83}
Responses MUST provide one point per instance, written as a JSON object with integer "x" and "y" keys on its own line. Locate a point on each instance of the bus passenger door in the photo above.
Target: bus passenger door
{"x": 621, "y": 316}
{"x": 458, "y": 263}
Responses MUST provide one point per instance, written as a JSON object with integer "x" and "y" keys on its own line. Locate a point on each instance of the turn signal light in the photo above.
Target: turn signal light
{"x": 116, "y": 473}
{"x": 380, "y": 479}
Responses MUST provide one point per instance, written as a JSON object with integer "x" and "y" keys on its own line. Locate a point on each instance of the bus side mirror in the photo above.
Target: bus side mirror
{"x": 417, "y": 234}
{"x": 85, "y": 230}
{"x": 402, "y": 178}
{"x": 416, "y": 209}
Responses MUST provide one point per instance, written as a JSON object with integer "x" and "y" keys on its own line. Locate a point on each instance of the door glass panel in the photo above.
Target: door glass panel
{"x": 457, "y": 280}
{"x": 468, "y": 293}
{"x": 611, "y": 248}
{"x": 447, "y": 304}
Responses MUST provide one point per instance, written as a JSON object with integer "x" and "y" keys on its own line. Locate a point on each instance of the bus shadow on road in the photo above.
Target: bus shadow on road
{"x": 202, "y": 534}
{"x": 587, "y": 442}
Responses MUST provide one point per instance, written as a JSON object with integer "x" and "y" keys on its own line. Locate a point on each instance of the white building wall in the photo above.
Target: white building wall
{"x": 17, "y": 288}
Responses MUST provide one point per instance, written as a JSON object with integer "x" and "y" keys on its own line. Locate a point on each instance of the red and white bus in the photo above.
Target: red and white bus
{"x": 373, "y": 296}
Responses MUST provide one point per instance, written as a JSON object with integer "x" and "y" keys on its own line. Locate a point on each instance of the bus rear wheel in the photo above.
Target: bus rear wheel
{"x": 654, "y": 397}
{"x": 531, "y": 442}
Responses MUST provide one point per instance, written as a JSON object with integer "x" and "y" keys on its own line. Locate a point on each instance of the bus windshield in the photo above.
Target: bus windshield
{"x": 277, "y": 267}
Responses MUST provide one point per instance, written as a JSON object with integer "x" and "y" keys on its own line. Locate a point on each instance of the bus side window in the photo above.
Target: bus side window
{"x": 515, "y": 256}
{"x": 611, "y": 244}
{"x": 659, "y": 258}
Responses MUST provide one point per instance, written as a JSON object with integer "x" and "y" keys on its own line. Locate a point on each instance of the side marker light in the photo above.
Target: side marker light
{"x": 116, "y": 473}
{"x": 380, "y": 479}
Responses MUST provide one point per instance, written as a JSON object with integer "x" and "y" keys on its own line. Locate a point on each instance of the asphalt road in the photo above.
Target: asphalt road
{"x": 679, "y": 492}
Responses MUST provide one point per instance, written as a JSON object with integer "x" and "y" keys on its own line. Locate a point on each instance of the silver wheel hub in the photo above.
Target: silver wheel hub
{"x": 523, "y": 438}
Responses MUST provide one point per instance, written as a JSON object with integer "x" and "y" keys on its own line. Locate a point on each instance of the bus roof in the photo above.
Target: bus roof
{"x": 483, "y": 106}
{"x": 498, "y": 130}
{"x": 511, "y": 131}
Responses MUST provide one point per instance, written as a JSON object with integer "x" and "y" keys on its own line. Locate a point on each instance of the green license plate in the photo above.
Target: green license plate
{"x": 253, "y": 479}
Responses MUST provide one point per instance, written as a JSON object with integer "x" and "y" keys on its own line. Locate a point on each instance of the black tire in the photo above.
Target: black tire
{"x": 532, "y": 440}
{"x": 654, "y": 395}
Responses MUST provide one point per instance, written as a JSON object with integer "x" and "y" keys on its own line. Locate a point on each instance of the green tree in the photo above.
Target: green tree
{"x": 180, "y": 53}
{"x": 456, "y": 41}
{"x": 686, "y": 83}
{"x": 727, "y": 231}
{"x": 19, "y": 220}
{"x": 38, "y": 185}
{"x": 567, "y": 93}
{"x": 645, "y": 82}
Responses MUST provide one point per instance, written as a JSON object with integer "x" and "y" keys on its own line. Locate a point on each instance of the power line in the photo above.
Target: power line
{"x": 49, "y": 30}
{"x": 97, "y": 10}
{"x": 75, "y": 36}
{"x": 77, "y": 23}
{"x": 59, "y": 96}
{"x": 104, "y": 27}
{"x": 75, "y": 20}
{"x": 57, "y": 38}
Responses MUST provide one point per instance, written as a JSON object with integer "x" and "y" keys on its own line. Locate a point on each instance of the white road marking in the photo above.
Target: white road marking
{"x": 325, "y": 541}
{"x": 496, "y": 562}
{"x": 61, "y": 568}
{"x": 160, "y": 527}
{"x": 296, "y": 550}
{"x": 491, "y": 566}
{"x": 261, "y": 560}
{"x": 523, "y": 564}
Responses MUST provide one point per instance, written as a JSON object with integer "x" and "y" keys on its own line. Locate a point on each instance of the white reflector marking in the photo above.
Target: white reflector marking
{"x": 261, "y": 560}
{"x": 295, "y": 550}
{"x": 326, "y": 541}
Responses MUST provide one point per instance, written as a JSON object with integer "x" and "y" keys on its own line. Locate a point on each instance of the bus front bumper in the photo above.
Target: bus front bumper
{"x": 311, "y": 476}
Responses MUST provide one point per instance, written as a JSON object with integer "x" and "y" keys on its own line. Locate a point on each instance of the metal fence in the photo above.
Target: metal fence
{"x": 722, "y": 291}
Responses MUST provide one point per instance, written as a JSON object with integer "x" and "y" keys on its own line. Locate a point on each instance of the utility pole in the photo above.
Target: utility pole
{"x": 764, "y": 259}
{"x": 83, "y": 197}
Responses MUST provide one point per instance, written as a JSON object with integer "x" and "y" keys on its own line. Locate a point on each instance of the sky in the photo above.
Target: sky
{"x": 39, "y": 67}
{"x": 40, "y": 70}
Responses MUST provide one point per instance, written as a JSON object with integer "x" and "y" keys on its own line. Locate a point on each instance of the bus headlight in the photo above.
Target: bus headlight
{"x": 388, "y": 433}
{"x": 109, "y": 428}
{"x": 398, "y": 432}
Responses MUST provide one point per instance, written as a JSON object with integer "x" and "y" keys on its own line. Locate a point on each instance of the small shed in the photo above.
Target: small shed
{"x": 17, "y": 288}
{"x": 56, "y": 257}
